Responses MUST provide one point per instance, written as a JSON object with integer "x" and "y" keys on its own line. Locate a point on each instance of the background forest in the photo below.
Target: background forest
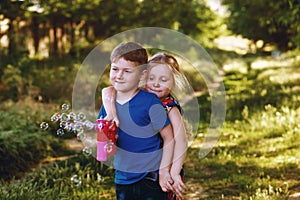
{"x": 255, "y": 44}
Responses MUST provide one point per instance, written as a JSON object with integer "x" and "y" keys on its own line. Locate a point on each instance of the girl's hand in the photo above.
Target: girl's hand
{"x": 114, "y": 118}
{"x": 109, "y": 100}
{"x": 179, "y": 187}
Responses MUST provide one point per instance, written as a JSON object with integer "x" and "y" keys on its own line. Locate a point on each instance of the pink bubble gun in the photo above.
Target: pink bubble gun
{"x": 106, "y": 139}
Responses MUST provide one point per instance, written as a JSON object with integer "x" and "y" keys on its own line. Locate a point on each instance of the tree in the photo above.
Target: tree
{"x": 193, "y": 18}
{"x": 68, "y": 23}
{"x": 273, "y": 21}
{"x": 14, "y": 11}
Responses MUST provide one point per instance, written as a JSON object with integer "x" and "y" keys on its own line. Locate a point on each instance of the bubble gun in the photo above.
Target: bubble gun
{"x": 106, "y": 139}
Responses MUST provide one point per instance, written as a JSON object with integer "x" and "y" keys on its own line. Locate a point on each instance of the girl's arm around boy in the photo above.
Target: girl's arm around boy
{"x": 165, "y": 179}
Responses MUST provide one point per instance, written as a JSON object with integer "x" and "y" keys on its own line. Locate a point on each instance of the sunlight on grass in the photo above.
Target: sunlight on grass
{"x": 263, "y": 63}
{"x": 281, "y": 76}
{"x": 233, "y": 43}
{"x": 255, "y": 158}
{"x": 236, "y": 65}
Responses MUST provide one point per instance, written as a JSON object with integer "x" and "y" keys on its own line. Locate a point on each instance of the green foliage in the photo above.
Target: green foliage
{"x": 92, "y": 21}
{"x": 46, "y": 80}
{"x": 255, "y": 88}
{"x": 12, "y": 83}
{"x": 271, "y": 21}
{"x": 22, "y": 143}
{"x": 72, "y": 30}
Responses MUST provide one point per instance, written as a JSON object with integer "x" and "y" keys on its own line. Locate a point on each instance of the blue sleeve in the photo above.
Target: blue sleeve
{"x": 102, "y": 113}
{"x": 158, "y": 115}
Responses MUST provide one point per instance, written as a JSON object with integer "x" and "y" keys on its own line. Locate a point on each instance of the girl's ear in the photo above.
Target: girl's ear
{"x": 144, "y": 75}
{"x": 143, "y": 78}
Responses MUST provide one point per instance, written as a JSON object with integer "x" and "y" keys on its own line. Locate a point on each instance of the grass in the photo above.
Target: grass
{"x": 257, "y": 155}
{"x": 79, "y": 177}
{"x": 255, "y": 158}
{"x": 22, "y": 143}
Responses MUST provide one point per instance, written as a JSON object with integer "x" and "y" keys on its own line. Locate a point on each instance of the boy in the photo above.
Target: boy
{"x": 142, "y": 124}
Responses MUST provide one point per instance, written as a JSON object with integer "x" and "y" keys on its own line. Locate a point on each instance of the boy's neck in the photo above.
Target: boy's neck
{"x": 123, "y": 97}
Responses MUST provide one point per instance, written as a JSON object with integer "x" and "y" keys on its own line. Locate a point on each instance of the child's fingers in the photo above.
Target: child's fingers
{"x": 169, "y": 186}
{"x": 117, "y": 122}
{"x": 179, "y": 187}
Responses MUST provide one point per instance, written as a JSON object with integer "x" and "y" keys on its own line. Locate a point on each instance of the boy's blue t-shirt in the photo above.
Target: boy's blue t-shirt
{"x": 139, "y": 143}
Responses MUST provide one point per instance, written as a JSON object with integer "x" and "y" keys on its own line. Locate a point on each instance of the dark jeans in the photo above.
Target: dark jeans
{"x": 144, "y": 189}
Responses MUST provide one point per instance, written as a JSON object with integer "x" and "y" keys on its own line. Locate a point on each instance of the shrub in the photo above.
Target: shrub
{"x": 22, "y": 143}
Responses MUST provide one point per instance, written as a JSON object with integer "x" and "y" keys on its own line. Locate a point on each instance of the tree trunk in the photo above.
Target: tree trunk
{"x": 11, "y": 39}
{"x": 35, "y": 33}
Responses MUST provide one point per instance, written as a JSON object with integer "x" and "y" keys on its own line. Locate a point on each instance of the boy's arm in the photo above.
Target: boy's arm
{"x": 109, "y": 103}
{"x": 165, "y": 179}
{"x": 179, "y": 150}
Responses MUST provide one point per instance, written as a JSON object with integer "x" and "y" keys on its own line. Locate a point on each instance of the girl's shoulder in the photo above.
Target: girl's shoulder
{"x": 169, "y": 102}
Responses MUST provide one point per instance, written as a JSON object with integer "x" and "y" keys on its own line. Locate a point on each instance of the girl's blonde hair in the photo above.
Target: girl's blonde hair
{"x": 165, "y": 59}
{"x": 181, "y": 83}
{"x": 180, "y": 86}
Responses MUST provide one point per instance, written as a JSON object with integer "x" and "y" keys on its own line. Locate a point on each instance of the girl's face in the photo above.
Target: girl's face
{"x": 160, "y": 80}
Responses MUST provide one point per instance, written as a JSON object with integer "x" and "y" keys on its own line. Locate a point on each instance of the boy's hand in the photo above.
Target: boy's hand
{"x": 178, "y": 186}
{"x": 165, "y": 180}
{"x": 112, "y": 118}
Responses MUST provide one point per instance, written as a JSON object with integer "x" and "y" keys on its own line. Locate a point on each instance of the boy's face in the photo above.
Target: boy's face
{"x": 125, "y": 75}
{"x": 160, "y": 81}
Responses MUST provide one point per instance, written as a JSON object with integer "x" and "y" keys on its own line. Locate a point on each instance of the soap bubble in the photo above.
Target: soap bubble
{"x": 64, "y": 117}
{"x": 108, "y": 147}
{"x": 76, "y": 180}
{"x": 60, "y": 131}
{"x": 87, "y": 151}
{"x": 78, "y": 128}
{"x": 72, "y": 116}
{"x": 63, "y": 124}
{"x": 55, "y": 117}
{"x": 69, "y": 127}
{"x": 65, "y": 106}
{"x": 80, "y": 136}
{"x": 44, "y": 125}
{"x": 81, "y": 116}
{"x": 89, "y": 125}
{"x": 71, "y": 122}
{"x": 198, "y": 62}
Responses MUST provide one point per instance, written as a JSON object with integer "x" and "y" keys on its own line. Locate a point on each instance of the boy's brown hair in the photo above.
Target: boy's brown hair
{"x": 130, "y": 51}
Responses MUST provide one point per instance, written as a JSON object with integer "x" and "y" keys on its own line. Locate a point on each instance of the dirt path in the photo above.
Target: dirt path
{"x": 72, "y": 144}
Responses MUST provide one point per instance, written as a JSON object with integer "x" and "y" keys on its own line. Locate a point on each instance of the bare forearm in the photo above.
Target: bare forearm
{"x": 165, "y": 179}
{"x": 179, "y": 155}
{"x": 109, "y": 100}
{"x": 167, "y": 154}
{"x": 180, "y": 138}
{"x": 168, "y": 147}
